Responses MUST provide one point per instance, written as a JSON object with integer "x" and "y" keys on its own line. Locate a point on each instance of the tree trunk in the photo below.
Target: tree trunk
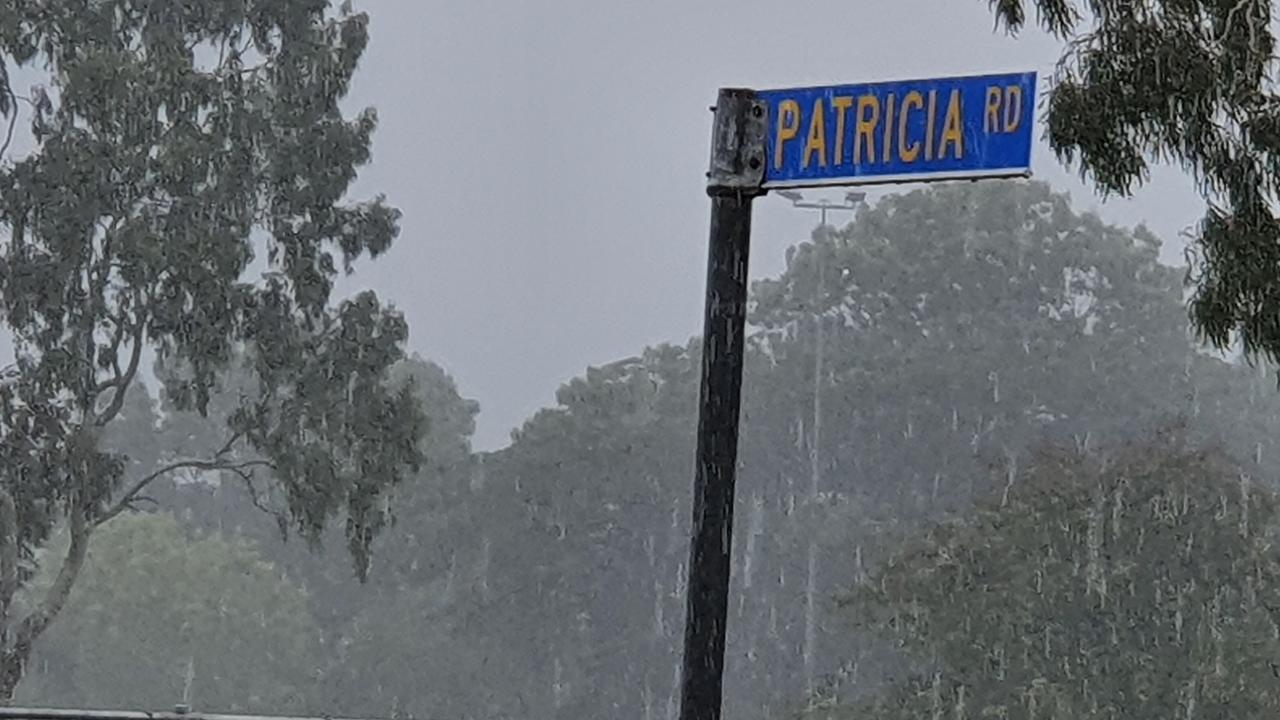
{"x": 19, "y": 640}
{"x": 10, "y": 671}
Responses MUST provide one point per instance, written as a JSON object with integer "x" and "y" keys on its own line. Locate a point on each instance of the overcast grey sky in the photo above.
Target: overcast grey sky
{"x": 549, "y": 157}
{"x": 549, "y": 161}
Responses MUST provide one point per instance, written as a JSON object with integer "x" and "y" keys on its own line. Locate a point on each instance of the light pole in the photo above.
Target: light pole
{"x": 852, "y": 200}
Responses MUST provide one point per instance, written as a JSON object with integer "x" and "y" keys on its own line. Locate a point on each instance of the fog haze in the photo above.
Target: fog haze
{"x": 983, "y": 468}
{"x": 549, "y": 160}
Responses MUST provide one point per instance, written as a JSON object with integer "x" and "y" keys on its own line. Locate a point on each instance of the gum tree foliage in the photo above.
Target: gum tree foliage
{"x": 945, "y": 330}
{"x": 965, "y": 324}
{"x": 377, "y": 648}
{"x": 174, "y": 142}
{"x": 436, "y": 515}
{"x": 159, "y": 617}
{"x": 961, "y": 324}
{"x": 1140, "y": 582}
{"x": 1188, "y": 82}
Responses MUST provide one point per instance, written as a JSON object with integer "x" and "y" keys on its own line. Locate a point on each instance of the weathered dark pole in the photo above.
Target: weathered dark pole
{"x": 734, "y": 180}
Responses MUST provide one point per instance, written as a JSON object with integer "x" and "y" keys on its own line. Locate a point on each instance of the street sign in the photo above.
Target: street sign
{"x": 902, "y": 131}
{"x": 908, "y": 131}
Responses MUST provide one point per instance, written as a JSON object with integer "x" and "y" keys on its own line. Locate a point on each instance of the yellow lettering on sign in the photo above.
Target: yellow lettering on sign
{"x": 888, "y": 132}
{"x": 866, "y": 128}
{"x": 1012, "y": 108}
{"x": 840, "y": 105}
{"x": 930, "y": 121}
{"x": 817, "y": 142}
{"x": 788, "y": 128}
{"x": 953, "y": 129}
{"x": 991, "y": 121}
{"x": 908, "y": 151}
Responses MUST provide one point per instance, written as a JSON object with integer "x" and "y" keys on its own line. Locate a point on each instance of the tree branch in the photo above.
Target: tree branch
{"x": 117, "y": 339}
{"x": 281, "y": 518}
{"x": 226, "y": 447}
{"x": 1226, "y": 24}
{"x": 14, "y": 653}
{"x": 13, "y": 121}
{"x": 122, "y": 381}
{"x": 134, "y": 492}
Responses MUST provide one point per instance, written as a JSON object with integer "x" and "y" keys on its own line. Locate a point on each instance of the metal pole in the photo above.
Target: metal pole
{"x": 735, "y": 178}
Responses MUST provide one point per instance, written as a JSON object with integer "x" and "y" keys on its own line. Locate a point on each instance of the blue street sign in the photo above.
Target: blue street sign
{"x": 904, "y": 131}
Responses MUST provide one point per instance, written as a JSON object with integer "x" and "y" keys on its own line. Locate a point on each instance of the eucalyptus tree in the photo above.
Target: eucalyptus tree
{"x": 175, "y": 145}
{"x": 1190, "y": 82}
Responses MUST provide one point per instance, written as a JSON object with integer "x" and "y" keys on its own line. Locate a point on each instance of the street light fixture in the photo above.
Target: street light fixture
{"x": 852, "y": 200}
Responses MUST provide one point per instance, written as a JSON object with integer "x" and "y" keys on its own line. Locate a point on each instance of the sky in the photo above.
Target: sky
{"x": 549, "y": 159}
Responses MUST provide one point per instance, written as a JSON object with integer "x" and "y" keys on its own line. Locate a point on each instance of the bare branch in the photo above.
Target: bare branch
{"x": 226, "y": 447}
{"x": 281, "y": 518}
{"x": 134, "y": 492}
{"x": 147, "y": 499}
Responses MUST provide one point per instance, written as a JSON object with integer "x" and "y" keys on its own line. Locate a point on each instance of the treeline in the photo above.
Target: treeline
{"x": 962, "y": 372}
